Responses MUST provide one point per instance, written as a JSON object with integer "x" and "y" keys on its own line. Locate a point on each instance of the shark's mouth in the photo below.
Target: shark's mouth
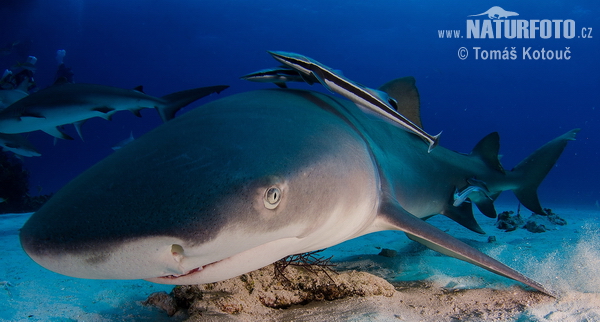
{"x": 197, "y": 269}
{"x": 232, "y": 266}
{"x": 177, "y": 252}
{"x": 188, "y": 273}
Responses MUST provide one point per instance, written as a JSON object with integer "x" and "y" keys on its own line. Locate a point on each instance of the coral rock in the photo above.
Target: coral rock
{"x": 259, "y": 292}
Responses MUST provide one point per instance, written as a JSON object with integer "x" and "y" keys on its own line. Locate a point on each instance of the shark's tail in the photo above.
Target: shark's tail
{"x": 531, "y": 171}
{"x": 176, "y": 101}
{"x": 524, "y": 178}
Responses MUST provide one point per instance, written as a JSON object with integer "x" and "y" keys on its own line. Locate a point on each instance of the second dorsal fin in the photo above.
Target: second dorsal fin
{"x": 487, "y": 150}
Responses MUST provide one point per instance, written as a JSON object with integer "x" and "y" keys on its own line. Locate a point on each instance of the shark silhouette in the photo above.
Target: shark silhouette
{"x": 66, "y": 103}
{"x": 497, "y": 13}
{"x": 19, "y": 145}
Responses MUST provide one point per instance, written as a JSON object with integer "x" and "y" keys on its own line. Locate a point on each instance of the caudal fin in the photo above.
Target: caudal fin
{"x": 531, "y": 171}
{"x": 176, "y": 101}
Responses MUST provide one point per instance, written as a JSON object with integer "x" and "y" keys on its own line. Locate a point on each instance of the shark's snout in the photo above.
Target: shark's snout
{"x": 97, "y": 259}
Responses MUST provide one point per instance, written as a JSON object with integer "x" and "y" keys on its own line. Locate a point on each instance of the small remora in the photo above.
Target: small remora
{"x": 371, "y": 100}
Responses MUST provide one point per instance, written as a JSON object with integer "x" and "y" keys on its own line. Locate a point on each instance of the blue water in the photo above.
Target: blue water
{"x": 168, "y": 46}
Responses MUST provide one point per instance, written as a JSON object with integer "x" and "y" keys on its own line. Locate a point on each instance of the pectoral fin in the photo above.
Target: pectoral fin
{"x": 418, "y": 230}
{"x": 78, "y": 126}
{"x": 57, "y": 133}
{"x": 137, "y": 111}
{"x": 103, "y": 109}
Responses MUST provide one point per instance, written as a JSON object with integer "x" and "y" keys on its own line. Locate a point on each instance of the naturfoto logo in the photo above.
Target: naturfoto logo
{"x": 497, "y": 13}
{"x": 497, "y": 23}
{"x": 498, "y": 26}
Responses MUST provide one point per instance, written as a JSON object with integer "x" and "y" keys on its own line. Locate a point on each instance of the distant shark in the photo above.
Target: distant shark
{"x": 124, "y": 142}
{"x": 267, "y": 174}
{"x": 19, "y": 145}
{"x": 67, "y": 103}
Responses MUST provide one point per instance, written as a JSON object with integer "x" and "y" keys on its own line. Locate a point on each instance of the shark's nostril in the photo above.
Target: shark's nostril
{"x": 177, "y": 252}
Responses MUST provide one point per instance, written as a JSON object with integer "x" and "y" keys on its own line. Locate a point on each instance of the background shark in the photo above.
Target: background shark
{"x": 19, "y": 145}
{"x": 122, "y": 143}
{"x": 269, "y": 173}
{"x": 67, "y": 103}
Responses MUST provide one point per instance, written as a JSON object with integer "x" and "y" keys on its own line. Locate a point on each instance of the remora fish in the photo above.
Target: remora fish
{"x": 269, "y": 173}
{"x": 17, "y": 144}
{"x": 370, "y": 99}
{"x": 477, "y": 192}
{"x": 67, "y": 103}
{"x": 279, "y": 76}
{"x": 462, "y": 196}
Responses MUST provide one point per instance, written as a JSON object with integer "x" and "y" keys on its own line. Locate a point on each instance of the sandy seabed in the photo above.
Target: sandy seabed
{"x": 427, "y": 286}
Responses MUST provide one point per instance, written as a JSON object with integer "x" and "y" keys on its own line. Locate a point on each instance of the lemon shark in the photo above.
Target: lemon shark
{"x": 66, "y": 103}
{"x": 267, "y": 174}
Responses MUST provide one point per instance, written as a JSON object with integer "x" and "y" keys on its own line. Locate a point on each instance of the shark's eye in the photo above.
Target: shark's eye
{"x": 272, "y": 197}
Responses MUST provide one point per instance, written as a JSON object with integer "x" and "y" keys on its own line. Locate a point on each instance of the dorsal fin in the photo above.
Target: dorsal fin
{"x": 57, "y": 132}
{"x": 139, "y": 88}
{"x": 404, "y": 91}
{"x": 487, "y": 150}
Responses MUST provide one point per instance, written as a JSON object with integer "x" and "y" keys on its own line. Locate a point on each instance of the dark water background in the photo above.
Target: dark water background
{"x": 168, "y": 46}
